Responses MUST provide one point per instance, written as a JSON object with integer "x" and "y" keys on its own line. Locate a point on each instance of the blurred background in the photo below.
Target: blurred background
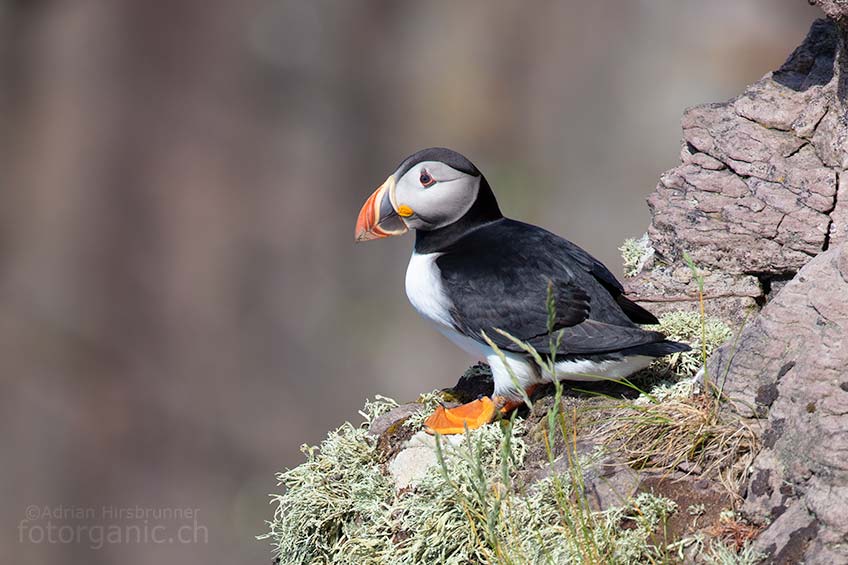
{"x": 181, "y": 302}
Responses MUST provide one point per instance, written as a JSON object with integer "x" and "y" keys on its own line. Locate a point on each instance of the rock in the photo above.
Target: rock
{"x": 798, "y": 333}
{"x": 415, "y": 458}
{"x": 608, "y": 481}
{"x": 790, "y": 369}
{"x": 760, "y": 203}
{"x": 839, "y": 228}
{"x": 477, "y": 381}
{"x": 382, "y": 424}
{"x": 787, "y": 538}
{"x": 667, "y": 289}
{"x": 836, "y": 9}
{"x": 410, "y": 454}
{"x": 690, "y": 493}
{"x": 756, "y": 195}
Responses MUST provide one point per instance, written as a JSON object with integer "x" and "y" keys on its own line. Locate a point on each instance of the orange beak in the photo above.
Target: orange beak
{"x": 378, "y": 217}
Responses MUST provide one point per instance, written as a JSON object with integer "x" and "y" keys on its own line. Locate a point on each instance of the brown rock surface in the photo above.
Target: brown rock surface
{"x": 836, "y": 9}
{"x": 790, "y": 367}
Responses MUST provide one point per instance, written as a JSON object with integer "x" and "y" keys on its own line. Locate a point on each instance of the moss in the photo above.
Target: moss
{"x": 339, "y": 506}
{"x": 333, "y": 507}
{"x": 635, "y": 253}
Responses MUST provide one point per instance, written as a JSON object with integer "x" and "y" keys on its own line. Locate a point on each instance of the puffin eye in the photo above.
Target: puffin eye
{"x": 425, "y": 179}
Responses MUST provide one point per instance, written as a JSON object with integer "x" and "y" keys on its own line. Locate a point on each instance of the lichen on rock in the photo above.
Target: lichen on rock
{"x": 510, "y": 491}
{"x": 635, "y": 253}
{"x": 552, "y": 485}
{"x": 760, "y": 197}
{"x": 704, "y": 335}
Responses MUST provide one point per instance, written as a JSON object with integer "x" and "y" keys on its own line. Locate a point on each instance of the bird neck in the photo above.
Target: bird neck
{"x": 484, "y": 211}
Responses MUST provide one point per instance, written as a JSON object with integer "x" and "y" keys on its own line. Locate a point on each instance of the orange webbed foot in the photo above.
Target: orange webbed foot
{"x": 474, "y": 414}
{"x": 508, "y": 404}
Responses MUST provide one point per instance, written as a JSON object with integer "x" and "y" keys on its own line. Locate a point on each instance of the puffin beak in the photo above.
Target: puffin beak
{"x": 378, "y": 217}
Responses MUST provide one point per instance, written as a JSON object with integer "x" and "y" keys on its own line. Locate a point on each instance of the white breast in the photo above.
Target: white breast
{"x": 425, "y": 290}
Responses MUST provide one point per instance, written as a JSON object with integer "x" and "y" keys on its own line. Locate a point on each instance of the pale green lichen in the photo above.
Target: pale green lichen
{"x": 341, "y": 507}
{"x": 373, "y": 409}
{"x": 673, "y": 377}
{"x": 718, "y": 553}
{"x": 715, "y": 552}
{"x": 428, "y": 401}
{"x": 666, "y": 390}
{"x": 635, "y": 253}
{"x": 702, "y": 334}
{"x": 686, "y": 326}
{"x": 728, "y": 515}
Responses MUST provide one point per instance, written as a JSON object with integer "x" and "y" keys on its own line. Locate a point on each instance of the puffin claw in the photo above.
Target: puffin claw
{"x": 472, "y": 415}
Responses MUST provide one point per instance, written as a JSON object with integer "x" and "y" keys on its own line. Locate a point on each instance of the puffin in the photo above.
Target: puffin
{"x": 476, "y": 275}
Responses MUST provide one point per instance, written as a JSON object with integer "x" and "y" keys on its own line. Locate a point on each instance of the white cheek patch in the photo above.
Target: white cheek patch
{"x": 441, "y": 204}
{"x": 446, "y": 202}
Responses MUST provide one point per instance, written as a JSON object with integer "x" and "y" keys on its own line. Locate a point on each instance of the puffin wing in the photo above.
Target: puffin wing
{"x": 495, "y": 281}
{"x": 634, "y": 312}
{"x": 519, "y": 309}
{"x": 592, "y": 337}
{"x": 498, "y": 276}
{"x": 524, "y": 315}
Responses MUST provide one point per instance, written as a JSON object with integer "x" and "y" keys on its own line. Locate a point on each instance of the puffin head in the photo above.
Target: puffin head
{"x": 429, "y": 191}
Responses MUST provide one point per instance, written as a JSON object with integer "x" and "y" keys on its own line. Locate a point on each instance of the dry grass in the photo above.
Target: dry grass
{"x": 666, "y": 434}
{"x": 735, "y": 533}
{"x": 340, "y": 507}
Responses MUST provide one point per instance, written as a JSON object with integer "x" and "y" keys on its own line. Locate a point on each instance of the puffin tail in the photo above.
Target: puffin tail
{"x": 657, "y": 349}
{"x": 636, "y": 313}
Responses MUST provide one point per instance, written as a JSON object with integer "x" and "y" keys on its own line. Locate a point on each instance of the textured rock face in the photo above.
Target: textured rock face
{"x": 835, "y": 9}
{"x": 757, "y": 193}
{"x": 790, "y": 368}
